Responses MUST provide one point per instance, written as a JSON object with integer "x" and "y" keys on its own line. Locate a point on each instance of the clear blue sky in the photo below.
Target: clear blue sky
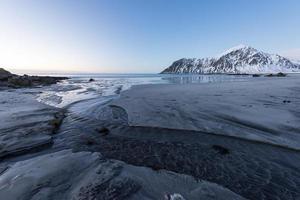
{"x": 139, "y": 35}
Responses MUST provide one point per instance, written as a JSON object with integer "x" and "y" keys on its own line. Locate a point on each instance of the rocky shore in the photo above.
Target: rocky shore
{"x": 8, "y": 79}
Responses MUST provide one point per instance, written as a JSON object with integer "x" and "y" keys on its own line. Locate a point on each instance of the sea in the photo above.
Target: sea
{"x": 80, "y": 87}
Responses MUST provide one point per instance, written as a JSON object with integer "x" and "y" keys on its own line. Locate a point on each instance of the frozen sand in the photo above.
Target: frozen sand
{"x": 261, "y": 109}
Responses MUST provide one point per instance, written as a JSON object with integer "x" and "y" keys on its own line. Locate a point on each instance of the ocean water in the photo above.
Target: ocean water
{"x": 78, "y": 87}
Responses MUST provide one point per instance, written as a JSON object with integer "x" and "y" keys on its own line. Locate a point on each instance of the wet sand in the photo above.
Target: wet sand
{"x": 260, "y": 109}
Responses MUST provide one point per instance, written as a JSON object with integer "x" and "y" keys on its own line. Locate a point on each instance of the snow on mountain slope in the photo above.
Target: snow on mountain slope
{"x": 238, "y": 60}
{"x": 297, "y": 62}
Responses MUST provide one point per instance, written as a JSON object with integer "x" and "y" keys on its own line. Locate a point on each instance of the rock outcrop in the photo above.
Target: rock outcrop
{"x": 4, "y": 75}
{"x": 8, "y": 79}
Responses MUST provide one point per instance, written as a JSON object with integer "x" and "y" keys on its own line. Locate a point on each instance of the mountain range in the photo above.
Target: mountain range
{"x": 237, "y": 60}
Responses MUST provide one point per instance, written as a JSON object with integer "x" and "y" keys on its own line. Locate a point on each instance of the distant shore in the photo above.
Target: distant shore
{"x": 8, "y": 79}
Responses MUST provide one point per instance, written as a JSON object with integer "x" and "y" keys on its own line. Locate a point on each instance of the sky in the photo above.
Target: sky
{"x": 139, "y": 36}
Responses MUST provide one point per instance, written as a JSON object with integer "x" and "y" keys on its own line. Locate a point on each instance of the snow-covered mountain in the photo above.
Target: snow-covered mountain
{"x": 295, "y": 61}
{"x": 237, "y": 60}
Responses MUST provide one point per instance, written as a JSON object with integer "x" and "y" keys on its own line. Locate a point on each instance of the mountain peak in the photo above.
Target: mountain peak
{"x": 240, "y": 46}
{"x": 238, "y": 60}
{"x": 235, "y": 48}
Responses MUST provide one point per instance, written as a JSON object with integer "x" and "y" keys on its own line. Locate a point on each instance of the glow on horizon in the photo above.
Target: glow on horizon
{"x": 121, "y": 36}
{"x": 40, "y": 41}
{"x": 26, "y": 45}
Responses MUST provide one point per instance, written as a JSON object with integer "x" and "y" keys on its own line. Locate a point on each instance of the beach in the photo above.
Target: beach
{"x": 209, "y": 140}
{"x": 264, "y": 109}
{"x": 149, "y": 100}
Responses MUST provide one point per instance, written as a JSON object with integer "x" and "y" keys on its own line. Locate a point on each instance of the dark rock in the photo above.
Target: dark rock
{"x": 220, "y": 149}
{"x": 57, "y": 121}
{"x": 269, "y": 75}
{"x": 4, "y": 72}
{"x": 119, "y": 89}
{"x": 256, "y": 75}
{"x": 280, "y": 74}
{"x": 4, "y": 75}
{"x": 45, "y": 80}
{"x": 103, "y": 130}
{"x": 286, "y": 101}
{"x": 89, "y": 141}
{"x": 156, "y": 167}
{"x": 19, "y": 81}
{"x": 91, "y": 80}
{"x": 8, "y": 79}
